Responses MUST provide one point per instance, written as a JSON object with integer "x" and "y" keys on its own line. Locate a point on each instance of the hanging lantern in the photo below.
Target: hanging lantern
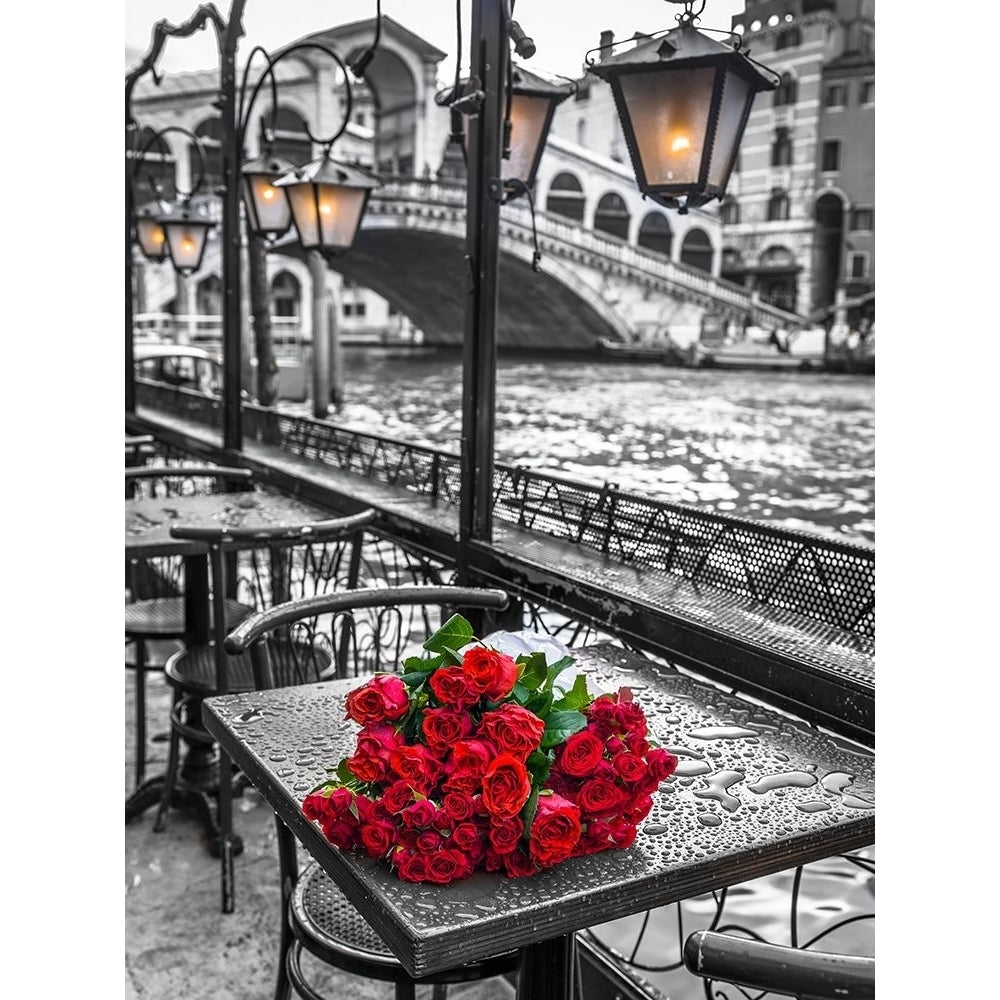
{"x": 268, "y": 212}
{"x": 533, "y": 103}
{"x": 187, "y": 233}
{"x": 152, "y": 239}
{"x": 683, "y": 100}
{"x": 327, "y": 200}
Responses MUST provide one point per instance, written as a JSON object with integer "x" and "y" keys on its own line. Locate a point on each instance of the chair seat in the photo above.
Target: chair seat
{"x": 157, "y": 651}
{"x": 328, "y": 924}
{"x": 164, "y": 616}
{"x": 193, "y": 670}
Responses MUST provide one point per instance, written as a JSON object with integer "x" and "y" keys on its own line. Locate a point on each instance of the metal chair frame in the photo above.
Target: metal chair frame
{"x": 301, "y": 928}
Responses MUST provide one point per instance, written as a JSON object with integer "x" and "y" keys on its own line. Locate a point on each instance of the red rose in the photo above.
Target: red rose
{"x": 443, "y": 727}
{"x": 379, "y": 739}
{"x": 411, "y": 865}
{"x": 378, "y": 838}
{"x": 506, "y": 787}
{"x": 662, "y": 763}
{"x": 428, "y": 840}
{"x": 638, "y": 809}
{"x": 580, "y": 753}
{"x": 366, "y": 768}
{"x": 506, "y": 834}
{"x": 452, "y": 687}
{"x": 329, "y": 802}
{"x": 630, "y": 717}
{"x": 630, "y": 767}
{"x": 340, "y": 833}
{"x": 555, "y": 830}
{"x": 466, "y": 836}
{"x": 513, "y": 729}
{"x": 601, "y": 712}
{"x": 517, "y": 864}
{"x": 416, "y": 764}
{"x": 600, "y": 797}
{"x": 622, "y": 833}
{"x": 383, "y": 697}
{"x": 469, "y": 759}
{"x": 446, "y": 865}
{"x": 397, "y": 796}
{"x": 419, "y": 814}
{"x": 490, "y": 671}
{"x": 458, "y": 805}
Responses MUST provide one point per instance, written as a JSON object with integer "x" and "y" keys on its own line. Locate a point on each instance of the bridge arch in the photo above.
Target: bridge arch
{"x": 655, "y": 233}
{"x": 612, "y": 216}
{"x": 696, "y": 249}
{"x": 565, "y": 197}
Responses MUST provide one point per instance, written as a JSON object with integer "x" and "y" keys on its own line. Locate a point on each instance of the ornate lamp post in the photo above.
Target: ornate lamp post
{"x": 683, "y": 100}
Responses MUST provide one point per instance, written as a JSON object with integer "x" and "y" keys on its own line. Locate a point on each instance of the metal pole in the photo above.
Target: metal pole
{"x": 129, "y": 317}
{"x": 320, "y": 338}
{"x": 488, "y": 60}
{"x": 232, "y": 342}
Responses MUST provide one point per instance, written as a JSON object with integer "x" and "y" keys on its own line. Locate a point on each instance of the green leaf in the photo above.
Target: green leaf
{"x": 454, "y": 633}
{"x": 422, "y": 664}
{"x": 557, "y": 668}
{"x": 539, "y": 764}
{"x": 576, "y": 697}
{"x": 528, "y": 812}
{"x": 521, "y": 693}
{"x": 346, "y": 775}
{"x": 416, "y": 678}
{"x": 560, "y": 726}
{"x": 452, "y": 658}
{"x": 539, "y": 703}
{"x": 534, "y": 670}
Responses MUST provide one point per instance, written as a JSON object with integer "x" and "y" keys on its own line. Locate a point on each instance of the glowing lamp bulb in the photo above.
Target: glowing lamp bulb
{"x": 326, "y": 208}
{"x": 268, "y": 193}
{"x": 680, "y": 144}
{"x": 188, "y": 245}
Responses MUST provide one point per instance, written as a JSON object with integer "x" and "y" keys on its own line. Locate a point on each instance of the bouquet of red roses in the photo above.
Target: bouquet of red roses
{"x": 473, "y": 758}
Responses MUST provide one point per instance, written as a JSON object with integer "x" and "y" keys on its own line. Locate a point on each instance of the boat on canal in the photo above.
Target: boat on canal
{"x": 801, "y": 350}
{"x": 663, "y": 353}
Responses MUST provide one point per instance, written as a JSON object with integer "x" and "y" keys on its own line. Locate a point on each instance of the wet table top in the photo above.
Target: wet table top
{"x": 755, "y": 793}
{"x": 148, "y": 522}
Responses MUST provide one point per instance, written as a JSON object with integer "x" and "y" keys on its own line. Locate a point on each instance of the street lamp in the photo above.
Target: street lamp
{"x": 150, "y": 235}
{"x": 683, "y": 100}
{"x": 268, "y": 212}
{"x": 186, "y": 233}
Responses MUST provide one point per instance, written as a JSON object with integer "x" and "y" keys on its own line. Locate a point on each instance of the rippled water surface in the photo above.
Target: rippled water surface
{"x": 797, "y": 449}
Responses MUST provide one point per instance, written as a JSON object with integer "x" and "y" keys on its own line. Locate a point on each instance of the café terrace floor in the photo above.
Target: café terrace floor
{"x": 178, "y": 943}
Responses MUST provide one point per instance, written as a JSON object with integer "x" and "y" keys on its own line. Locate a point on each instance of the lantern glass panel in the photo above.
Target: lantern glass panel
{"x": 187, "y": 243}
{"x": 737, "y": 93}
{"x": 267, "y": 204}
{"x": 528, "y": 115}
{"x": 669, "y": 115}
{"x": 152, "y": 238}
{"x": 326, "y": 215}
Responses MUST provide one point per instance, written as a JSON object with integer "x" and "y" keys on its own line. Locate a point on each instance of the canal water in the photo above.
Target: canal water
{"x": 795, "y": 449}
{"x": 792, "y": 448}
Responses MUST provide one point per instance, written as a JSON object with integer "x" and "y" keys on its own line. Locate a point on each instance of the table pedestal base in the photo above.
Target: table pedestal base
{"x": 189, "y": 798}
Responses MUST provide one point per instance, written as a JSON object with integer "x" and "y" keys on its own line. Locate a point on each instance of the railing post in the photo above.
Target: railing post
{"x": 488, "y": 59}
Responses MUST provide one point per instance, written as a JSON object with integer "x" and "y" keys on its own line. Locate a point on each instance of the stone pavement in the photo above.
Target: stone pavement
{"x": 178, "y": 943}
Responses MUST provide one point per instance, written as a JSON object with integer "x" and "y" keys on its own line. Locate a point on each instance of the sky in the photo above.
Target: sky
{"x": 563, "y": 30}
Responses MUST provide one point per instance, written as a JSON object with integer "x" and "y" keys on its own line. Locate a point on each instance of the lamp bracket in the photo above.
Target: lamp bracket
{"x": 470, "y": 104}
{"x": 495, "y": 189}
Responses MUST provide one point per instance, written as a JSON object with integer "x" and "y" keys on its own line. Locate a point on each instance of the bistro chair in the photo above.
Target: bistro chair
{"x": 154, "y": 588}
{"x": 750, "y": 964}
{"x": 264, "y": 567}
{"x": 340, "y": 635}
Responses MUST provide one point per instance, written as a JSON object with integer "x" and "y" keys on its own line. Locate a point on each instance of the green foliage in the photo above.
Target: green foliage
{"x": 560, "y": 726}
{"x": 453, "y": 634}
{"x": 576, "y": 697}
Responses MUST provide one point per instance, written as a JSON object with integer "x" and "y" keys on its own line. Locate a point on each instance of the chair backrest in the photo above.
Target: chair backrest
{"x": 184, "y": 480}
{"x": 757, "y": 965}
{"x": 263, "y": 567}
{"x": 351, "y": 632}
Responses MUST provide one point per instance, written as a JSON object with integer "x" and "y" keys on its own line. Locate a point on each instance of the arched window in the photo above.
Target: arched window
{"x": 777, "y": 258}
{"x": 787, "y": 92}
{"x": 291, "y": 139}
{"x": 566, "y": 197}
{"x": 729, "y": 211}
{"x": 788, "y": 39}
{"x": 654, "y": 233}
{"x": 286, "y": 294}
{"x": 208, "y": 296}
{"x": 157, "y": 171}
{"x": 696, "y": 250}
{"x": 612, "y": 216}
{"x": 209, "y": 135}
{"x": 781, "y": 148}
{"x": 777, "y": 207}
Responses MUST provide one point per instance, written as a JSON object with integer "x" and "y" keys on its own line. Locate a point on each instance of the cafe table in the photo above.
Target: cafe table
{"x": 755, "y": 792}
{"x": 147, "y": 534}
